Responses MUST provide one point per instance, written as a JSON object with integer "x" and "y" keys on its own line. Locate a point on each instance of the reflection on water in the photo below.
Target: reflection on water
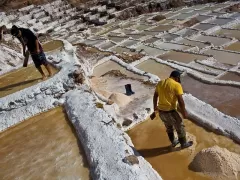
{"x": 151, "y": 141}
{"x": 42, "y": 147}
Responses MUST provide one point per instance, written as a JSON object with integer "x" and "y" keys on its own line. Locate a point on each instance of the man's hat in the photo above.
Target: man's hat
{"x": 14, "y": 30}
{"x": 175, "y": 73}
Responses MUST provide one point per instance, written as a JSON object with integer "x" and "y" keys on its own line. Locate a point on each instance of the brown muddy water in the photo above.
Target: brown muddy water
{"x": 111, "y": 65}
{"x": 20, "y": 79}
{"x": 181, "y": 56}
{"x": 52, "y": 45}
{"x": 151, "y": 141}
{"x": 42, "y": 147}
{"x": 151, "y": 66}
{"x": 225, "y": 98}
{"x": 231, "y": 76}
{"x": 234, "y": 47}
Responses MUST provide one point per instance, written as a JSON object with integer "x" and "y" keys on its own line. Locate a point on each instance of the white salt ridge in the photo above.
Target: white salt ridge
{"x": 34, "y": 96}
{"x": 211, "y": 118}
{"x": 107, "y": 147}
{"x": 197, "y": 75}
{"x": 9, "y": 55}
{"x": 206, "y": 71}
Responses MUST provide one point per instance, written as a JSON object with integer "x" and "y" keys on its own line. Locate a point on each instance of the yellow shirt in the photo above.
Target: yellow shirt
{"x": 168, "y": 90}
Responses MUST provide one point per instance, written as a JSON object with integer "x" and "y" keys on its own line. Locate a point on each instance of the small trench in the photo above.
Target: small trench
{"x": 151, "y": 141}
{"x": 42, "y": 147}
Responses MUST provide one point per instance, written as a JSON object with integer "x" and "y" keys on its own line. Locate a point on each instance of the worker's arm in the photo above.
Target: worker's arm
{"x": 182, "y": 106}
{"x": 23, "y": 45}
{"x": 37, "y": 46}
{"x": 155, "y": 100}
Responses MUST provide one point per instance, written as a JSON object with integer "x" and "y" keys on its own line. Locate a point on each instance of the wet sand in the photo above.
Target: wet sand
{"x": 151, "y": 141}
{"x": 42, "y": 147}
{"x": 20, "y": 79}
{"x": 181, "y": 57}
{"x": 151, "y": 66}
{"x": 225, "y": 98}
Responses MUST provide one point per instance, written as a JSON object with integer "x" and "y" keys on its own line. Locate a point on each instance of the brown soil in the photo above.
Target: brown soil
{"x": 17, "y": 4}
{"x": 130, "y": 58}
{"x": 233, "y": 8}
{"x": 42, "y": 147}
{"x": 191, "y": 22}
{"x": 159, "y": 17}
{"x": 118, "y": 73}
{"x": 21, "y": 79}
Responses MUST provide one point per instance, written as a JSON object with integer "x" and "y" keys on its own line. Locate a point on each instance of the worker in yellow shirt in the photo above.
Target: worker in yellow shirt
{"x": 168, "y": 92}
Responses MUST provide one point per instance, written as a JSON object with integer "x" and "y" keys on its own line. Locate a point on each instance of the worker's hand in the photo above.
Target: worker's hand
{"x": 185, "y": 115}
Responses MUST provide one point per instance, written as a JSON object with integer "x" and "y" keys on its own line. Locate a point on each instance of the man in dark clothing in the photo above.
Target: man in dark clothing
{"x": 27, "y": 38}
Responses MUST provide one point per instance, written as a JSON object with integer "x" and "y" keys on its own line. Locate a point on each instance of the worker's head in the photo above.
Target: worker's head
{"x": 15, "y": 31}
{"x": 176, "y": 76}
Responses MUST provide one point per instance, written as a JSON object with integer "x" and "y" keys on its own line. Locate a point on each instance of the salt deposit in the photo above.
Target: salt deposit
{"x": 120, "y": 99}
{"x": 218, "y": 163}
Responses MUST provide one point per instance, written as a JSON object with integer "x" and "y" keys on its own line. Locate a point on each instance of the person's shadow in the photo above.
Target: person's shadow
{"x": 158, "y": 151}
{"x": 9, "y": 87}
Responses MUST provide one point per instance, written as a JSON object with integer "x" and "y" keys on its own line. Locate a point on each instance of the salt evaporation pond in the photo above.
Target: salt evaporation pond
{"x": 151, "y": 66}
{"x": 42, "y": 147}
{"x": 151, "y": 141}
{"x": 20, "y": 79}
{"x": 225, "y": 98}
{"x": 182, "y": 56}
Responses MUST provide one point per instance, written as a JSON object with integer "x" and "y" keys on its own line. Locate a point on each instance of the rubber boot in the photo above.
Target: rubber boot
{"x": 129, "y": 91}
{"x": 184, "y": 143}
{"x": 172, "y": 139}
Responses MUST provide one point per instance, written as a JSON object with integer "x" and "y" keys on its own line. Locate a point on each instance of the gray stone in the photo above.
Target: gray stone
{"x": 131, "y": 160}
{"x": 127, "y": 122}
